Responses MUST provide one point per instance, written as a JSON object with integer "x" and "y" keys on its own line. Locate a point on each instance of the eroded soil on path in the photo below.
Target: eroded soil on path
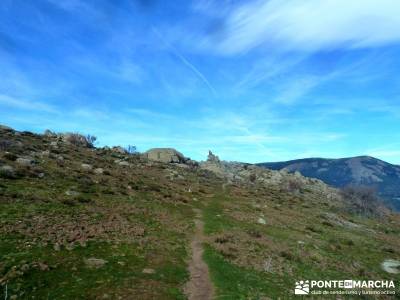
{"x": 199, "y": 287}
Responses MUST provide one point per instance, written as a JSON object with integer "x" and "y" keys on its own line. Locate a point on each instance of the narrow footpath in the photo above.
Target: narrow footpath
{"x": 199, "y": 287}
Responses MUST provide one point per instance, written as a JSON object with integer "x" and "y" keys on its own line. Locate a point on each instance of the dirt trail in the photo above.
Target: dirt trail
{"x": 199, "y": 287}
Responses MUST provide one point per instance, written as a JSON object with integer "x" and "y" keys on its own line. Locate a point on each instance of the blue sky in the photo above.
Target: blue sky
{"x": 251, "y": 80}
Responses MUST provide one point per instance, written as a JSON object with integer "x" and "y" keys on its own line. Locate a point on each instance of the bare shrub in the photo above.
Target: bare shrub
{"x": 292, "y": 185}
{"x": 362, "y": 200}
{"x": 131, "y": 149}
{"x": 253, "y": 177}
{"x": 91, "y": 139}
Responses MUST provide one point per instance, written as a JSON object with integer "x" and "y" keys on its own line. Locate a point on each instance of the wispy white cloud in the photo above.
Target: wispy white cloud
{"x": 9, "y": 101}
{"x": 387, "y": 153}
{"x": 292, "y": 91}
{"x": 122, "y": 69}
{"x": 187, "y": 63}
{"x": 267, "y": 69}
{"x": 310, "y": 25}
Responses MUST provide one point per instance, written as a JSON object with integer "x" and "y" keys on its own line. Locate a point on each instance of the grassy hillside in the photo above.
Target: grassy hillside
{"x": 83, "y": 223}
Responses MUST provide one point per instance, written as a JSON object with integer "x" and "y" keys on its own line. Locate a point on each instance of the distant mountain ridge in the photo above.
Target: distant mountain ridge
{"x": 360, "y": 170}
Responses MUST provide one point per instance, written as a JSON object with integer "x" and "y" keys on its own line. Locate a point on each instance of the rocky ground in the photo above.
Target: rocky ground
{"x": 79, "y": 222}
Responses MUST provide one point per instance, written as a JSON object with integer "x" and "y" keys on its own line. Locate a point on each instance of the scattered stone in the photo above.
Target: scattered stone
{"x": 268, "y": 265}
{"x": 148, "y": 271}
{"x": 124, "y": 163}
{"x": 185, "y": 166}
{"x": 261, "y": 221}
{"x": 7, "y": 172}
{"x": 86, "y": 167}
{"x": 99, "y": 171}
{"x": 44, "y": 153}
{"x": 391, "y": 266}
{"x": 56, "y": 247}
{"x": 43, "y": 266}
{"x": 95, "y": 262}
{"x": 71, "y": 193}
{"x": 26, "y": 162}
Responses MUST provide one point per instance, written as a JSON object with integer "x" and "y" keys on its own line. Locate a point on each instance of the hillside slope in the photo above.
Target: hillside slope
{"x": 78, "y": 222}
{"x": 362, "y": 170}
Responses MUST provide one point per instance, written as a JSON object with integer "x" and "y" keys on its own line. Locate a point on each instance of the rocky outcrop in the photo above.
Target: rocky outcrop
{"x": 75, "y": 139}
{"x": 212, "y": 157}
{"x": 165, "y": 155}
{"x": 119, "y": 149}
{"x": 69, "y": 138}
{"x": 252, "y": 174}
{"x": 50, "y": 134}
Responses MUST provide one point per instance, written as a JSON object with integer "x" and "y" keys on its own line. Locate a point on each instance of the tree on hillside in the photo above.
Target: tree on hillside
{"x": 131, "y": 149}
{"x": 362, "y": 200}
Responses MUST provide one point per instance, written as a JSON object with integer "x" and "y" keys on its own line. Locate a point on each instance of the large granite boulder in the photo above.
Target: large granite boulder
{"x": 75, "y": 139}
{"x": 165, "y": 155}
